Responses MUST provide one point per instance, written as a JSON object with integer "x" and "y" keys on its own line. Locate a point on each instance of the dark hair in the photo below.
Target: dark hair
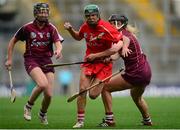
{"x": 39, "y": 6}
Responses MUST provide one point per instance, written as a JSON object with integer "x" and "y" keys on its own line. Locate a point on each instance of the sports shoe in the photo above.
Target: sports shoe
{"x": 27, "y": 113}
{"x": 105, "y": 123}
{"x": 147, "y": 123}
{"x": 79, "y": 125}
{"x": 43, "y": 118}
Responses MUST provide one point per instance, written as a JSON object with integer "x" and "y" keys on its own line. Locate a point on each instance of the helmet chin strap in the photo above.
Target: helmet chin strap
{"x": 116, "y": 24}
{"x": 118, "y": 28}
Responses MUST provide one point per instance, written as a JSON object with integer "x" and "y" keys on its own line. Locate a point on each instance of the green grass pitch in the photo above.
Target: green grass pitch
{"x": 165, "y": 114}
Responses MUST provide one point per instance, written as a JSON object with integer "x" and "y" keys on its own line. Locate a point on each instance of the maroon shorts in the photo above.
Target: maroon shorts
{"x": 31, "y": 63}
{"x": 141, "y": 77}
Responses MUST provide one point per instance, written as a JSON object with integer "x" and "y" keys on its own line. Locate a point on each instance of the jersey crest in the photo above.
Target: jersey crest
{"x": 33, "y": 35}
{"x": 85, "y": 35}
{"x": 40, "y": 34}
{"x": 98, "y": 37}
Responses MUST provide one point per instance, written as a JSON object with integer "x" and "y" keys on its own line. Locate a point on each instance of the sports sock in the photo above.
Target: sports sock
{"x": 148, "y": 119}
{"x": 80, "y": 116}
{"x": 29, "y": 105}
{"x": 41, "y": 113}
{"x": 109, "y": 117}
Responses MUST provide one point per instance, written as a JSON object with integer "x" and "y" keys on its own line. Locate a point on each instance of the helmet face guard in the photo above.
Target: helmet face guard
{"x": 123, "y": 19}
{"x": 41, "y": 12}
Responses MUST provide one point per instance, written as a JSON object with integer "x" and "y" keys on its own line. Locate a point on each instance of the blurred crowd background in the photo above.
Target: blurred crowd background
{"x": 158, "y": 22}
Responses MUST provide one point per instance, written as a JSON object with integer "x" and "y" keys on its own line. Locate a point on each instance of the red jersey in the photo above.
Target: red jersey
{"x": 39, "y": 42}
{"x": 98, "y": 39}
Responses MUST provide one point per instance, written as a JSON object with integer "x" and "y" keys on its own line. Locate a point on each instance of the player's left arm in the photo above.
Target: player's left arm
{"x": 58, "y": 50}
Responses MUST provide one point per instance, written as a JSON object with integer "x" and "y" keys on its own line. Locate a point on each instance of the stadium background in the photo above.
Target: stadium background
{"x": 157, "y": 20}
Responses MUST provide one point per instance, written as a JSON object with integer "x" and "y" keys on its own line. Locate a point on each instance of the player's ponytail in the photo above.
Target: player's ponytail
{"x": 132, "y": 29}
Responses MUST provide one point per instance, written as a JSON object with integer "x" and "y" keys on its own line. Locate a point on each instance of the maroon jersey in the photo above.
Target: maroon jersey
{"x": 39, "y": 42}
{"x": 137, "y": 69}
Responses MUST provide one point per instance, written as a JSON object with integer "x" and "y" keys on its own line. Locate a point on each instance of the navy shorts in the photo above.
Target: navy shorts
{"x": 31, "y": 62}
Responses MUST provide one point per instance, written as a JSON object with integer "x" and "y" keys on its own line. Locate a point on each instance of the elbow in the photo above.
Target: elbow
{"x": 77, "y": 38}
{"x": 116, "y": 47}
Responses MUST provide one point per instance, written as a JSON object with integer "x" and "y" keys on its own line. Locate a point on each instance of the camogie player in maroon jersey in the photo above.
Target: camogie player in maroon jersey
{"x": 137, "y": 73}
{"x": 99, "y": 36}
{"x": 40, "y": 36}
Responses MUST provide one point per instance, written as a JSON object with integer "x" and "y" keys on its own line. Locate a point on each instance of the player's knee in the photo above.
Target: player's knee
{"x": 136, "y": 99}
{"x": 93, "y": 95}
{"x": 42, "y": 85}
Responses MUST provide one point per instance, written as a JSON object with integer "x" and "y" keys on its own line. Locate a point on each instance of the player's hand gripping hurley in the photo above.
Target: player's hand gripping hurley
{"x": 70, "y": 99}
{"x": 13, "y": 92}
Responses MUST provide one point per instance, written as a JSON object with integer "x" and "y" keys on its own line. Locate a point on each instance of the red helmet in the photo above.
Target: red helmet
{"x": 41, "y": 8}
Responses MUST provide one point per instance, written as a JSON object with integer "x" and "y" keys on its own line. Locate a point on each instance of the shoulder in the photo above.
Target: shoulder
{"x": 50, "y": 25}
{"x": 105, "y": 24}
{"x": 29, "y": 24}
{"x": 25, "y": 27}
{"x": 126, "y": 33}
{"x": 52, "y": 28}
{"x": 84, "y": 25}
{"x": 107, "y": 27}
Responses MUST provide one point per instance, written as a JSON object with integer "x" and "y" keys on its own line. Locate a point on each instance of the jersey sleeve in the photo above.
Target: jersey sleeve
{"x": 81, "y": 31}
{"x": 56, "y": 36}
{"x": 20, "y": 34}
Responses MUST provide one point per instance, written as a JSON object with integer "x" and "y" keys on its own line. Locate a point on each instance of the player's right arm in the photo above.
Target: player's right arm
{"x": 74, "y": 33}
{"x": 10, "y": 49}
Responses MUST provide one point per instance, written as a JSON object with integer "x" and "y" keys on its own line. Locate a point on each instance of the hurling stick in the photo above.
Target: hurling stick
{"x": 70, "y": 99}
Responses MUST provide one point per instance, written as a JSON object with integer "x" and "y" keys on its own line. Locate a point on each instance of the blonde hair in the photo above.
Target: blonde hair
{"x": 132, "y": 29}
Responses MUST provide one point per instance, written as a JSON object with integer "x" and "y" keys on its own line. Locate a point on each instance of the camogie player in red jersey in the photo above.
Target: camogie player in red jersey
{"x": 40, "y": 36}
{"x": 137, "y": 73}
{"x": 99, "y": 36}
